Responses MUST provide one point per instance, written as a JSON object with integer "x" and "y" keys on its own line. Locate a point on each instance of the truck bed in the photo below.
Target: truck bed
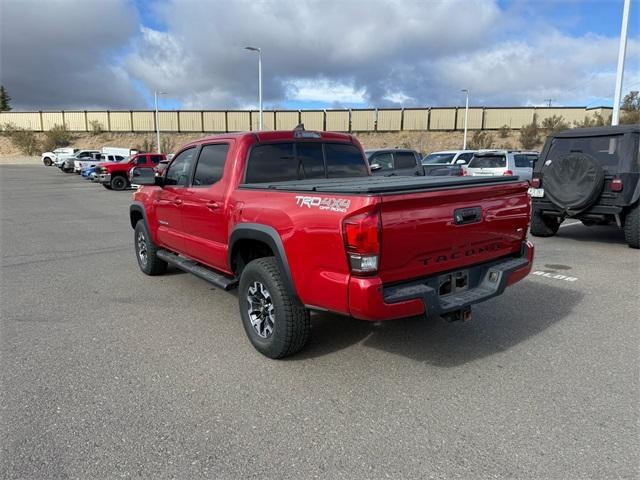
{"x": 378, "y": 185}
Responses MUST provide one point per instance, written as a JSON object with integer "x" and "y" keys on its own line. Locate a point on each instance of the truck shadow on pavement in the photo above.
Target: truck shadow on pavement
{"x": 521, "y": 312}
{"x": 593, "y": 234}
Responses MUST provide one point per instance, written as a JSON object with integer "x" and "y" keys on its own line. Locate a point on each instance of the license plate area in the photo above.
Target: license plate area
{"x": 536, "y": 192}
{"x": 452, "y": 283}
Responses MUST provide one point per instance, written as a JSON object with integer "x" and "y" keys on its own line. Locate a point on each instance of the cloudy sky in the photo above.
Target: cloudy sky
{"x": 83, "y": 54}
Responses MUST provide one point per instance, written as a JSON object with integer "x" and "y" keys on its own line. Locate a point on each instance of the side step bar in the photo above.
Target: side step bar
{"x": 191, "y": 266}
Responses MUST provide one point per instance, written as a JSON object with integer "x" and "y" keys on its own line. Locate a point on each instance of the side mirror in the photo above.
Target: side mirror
{"x": 460, "y": 162}
{"x": 375, "y": 166}
{"x": 145, "y": 176}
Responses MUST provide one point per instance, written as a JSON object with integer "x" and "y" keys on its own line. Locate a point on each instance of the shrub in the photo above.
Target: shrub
{"x": 167, "y": 144}
{"x": 25, "y": 140}
{"x": 530, "y": 135}
{"x": 480, "y": 140}
{"x": 630, "y": 109}
{"x": 597, "y": 120}
{"x": 147, "y": 146}
{"x": 57, "y": 137}
{"x": 504, "y": 131}
{"x": 554, "y": 124}
{"x": 95, "y": 127}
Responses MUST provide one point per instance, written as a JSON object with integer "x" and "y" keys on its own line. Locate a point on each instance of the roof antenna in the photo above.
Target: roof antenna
{"x": 299, "y": 127}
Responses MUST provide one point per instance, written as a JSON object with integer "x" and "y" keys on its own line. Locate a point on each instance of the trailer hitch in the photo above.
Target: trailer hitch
{"x": 464, "y": 315}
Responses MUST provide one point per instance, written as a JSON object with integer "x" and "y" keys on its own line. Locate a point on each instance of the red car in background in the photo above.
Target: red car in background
{"x": 115, "y": 175}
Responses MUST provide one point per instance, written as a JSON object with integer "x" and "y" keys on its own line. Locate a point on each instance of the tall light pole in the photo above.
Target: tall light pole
{"x": 466, "y": 118}
{"x": 256, "y": 49}
{"x": 615, "y": 117}
{"x": 155, "y": 100}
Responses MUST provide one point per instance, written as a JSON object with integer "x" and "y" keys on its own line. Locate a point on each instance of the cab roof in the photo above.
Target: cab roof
{"x": 598, "y": 131}
{"x": 275, "y": 135}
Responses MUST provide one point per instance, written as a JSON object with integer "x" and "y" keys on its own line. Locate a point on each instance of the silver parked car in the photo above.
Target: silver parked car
{"x": 502, "y": 162}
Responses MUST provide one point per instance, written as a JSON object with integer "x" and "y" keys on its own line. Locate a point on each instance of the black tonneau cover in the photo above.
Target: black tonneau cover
{"x": 379, "y": 185}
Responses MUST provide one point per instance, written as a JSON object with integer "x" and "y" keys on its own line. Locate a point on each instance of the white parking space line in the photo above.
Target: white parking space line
{"x": 555, "y": 276}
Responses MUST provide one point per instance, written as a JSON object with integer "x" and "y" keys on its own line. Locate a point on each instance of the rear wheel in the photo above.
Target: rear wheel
{"x": 542, "y": 226}
{"x": 632, "y": 226}
{"x": 119, "y": 182}
{"x": 146, "y": 251}
{"x": 275, "y": 321}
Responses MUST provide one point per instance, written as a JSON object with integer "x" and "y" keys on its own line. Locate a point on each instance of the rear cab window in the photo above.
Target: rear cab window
{"x": 285, "y": 161}
{"x": 405, "y": 160}
{"x": 488, "y": 161}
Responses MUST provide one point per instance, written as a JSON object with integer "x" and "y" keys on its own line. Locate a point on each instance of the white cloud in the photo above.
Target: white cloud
{"x": 323, "y": 90}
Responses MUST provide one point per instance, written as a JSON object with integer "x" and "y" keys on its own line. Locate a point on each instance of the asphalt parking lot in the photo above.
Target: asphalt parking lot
{"x": 107, "y": 373}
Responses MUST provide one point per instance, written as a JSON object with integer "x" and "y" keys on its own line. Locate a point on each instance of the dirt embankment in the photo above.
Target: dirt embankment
{"x": 423, "y": 142}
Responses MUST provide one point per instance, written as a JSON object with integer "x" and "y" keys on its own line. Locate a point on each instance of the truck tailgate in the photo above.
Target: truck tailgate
{"x": 424, "y": 233}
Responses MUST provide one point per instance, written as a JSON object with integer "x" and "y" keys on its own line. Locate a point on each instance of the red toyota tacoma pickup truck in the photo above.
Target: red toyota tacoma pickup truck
{"x": 296, "y": 221}
{"x": 115, "y": 175}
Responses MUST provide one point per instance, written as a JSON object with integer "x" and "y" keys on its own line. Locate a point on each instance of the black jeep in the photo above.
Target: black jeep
{"x": 592, "y": 174}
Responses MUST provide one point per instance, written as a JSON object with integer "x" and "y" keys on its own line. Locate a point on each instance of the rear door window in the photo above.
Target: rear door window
{"x": 141, "y": 160}
{"x": 405, "y": 160}
{"x": 488, "y": 161}
{"x": 344, "y": 160}
{"x": 155, "y": 159}
{"x": 210, "y": 164}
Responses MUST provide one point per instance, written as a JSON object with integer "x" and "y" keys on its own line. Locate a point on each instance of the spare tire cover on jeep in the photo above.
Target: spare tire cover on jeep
{"x": 573, "y": 182}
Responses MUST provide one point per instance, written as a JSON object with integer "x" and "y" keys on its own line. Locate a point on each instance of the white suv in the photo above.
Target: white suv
{"x": 488, "y": 163}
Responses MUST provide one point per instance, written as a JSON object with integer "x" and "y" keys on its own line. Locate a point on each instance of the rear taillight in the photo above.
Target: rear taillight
{"x": 463, "y": 172}
{"x": 616, "y": 185}
{"x": 535, "y": 182}
{"x": 507, "y": 173}
{"x": 362, "y": 240}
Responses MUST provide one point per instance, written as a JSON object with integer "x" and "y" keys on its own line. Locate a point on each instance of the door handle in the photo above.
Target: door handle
{"x": 212, "y": 205}
{"x": 177, "y": 201}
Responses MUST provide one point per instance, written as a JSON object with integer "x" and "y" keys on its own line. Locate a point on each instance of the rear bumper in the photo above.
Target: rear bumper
{"x": 370, "y": 300}
{"x": 549, "y": 208}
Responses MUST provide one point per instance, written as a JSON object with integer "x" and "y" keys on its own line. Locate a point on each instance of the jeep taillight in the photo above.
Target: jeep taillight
{"x": 507, "y": 173}
{"x": 616, "y": 185}
{"x": 362, "y": 241}
{"x": 535, "y": 182}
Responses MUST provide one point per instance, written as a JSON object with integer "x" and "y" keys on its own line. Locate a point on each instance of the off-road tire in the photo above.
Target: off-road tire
{"x": 108, "y": 187}
{"x": 119, "y": 183}
{"x": 153, "y": 265}
{"x": 632, "y": 226}
{"x": 47, "y": 161}
{"x": 292, "y": 321}
{"x": 542, "y": 226}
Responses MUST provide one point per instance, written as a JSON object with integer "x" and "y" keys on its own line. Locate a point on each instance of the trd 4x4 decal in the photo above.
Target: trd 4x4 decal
{"x": 326, "y": 203}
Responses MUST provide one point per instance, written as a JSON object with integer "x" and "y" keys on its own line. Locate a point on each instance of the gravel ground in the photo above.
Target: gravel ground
{"x": 106, "y": 373}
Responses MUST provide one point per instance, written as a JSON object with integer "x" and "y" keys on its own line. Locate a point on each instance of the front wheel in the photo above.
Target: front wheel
{"x": 146, "y": 251}
{"x": 542, "y": 226}
{"x": 275, "y": 321}
{"x": 119, "y": 182}
{"x": 47, "y": 161}
{"x": 632, "y": 226}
